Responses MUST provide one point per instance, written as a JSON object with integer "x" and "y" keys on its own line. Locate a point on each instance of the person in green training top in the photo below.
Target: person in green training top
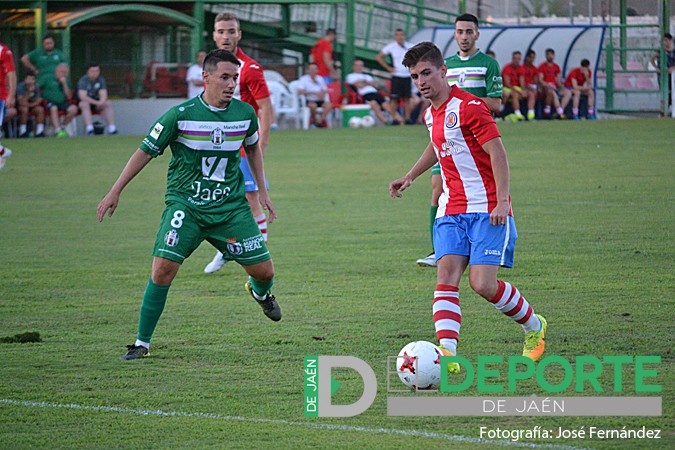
{"x": 477, "y": 73}
{"x": 43, "y": 61}
{"x": 205, "y": 198}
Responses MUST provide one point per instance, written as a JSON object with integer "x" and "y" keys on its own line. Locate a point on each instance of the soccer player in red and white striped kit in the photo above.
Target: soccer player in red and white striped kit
{"x": 474, "y": 224}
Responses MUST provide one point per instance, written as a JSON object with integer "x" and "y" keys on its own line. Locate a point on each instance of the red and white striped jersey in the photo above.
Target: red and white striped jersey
{"x": 458, "y": 129}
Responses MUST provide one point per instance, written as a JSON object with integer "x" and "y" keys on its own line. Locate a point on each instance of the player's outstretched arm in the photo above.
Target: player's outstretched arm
{"x": 423, "y": 164}
{"x": 135, "y": 164}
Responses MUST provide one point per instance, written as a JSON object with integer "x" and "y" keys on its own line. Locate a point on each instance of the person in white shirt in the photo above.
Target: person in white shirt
{"x": 314, "y": 88}
{"x": 401, "y": 83}
{"x": 194, "y": 76}
{"x": 367, "y": 89}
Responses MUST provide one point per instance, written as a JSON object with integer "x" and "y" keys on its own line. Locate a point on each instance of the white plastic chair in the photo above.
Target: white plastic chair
{"x": 302, "y": 101}
{"x": 285, "y": 102}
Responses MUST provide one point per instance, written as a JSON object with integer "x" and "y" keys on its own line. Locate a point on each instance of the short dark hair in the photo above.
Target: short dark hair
{"x": 424, "y": 51}
{"x": 48, "y": 36}
{"x": 530, "y": 52}
{"x": 226, "y": 16}
{"x": 218, "y": 55}
{"x": 331, "y": 31}
{"x": 550, "y": 50}
{"x": 517, "y": 52}
{"x": 585, "y": 63}
{"x": 668, "y": 36}
{"x": 93, "y": 64}
{"x": 399, "y": 30}
{"x": 467, "y": 18}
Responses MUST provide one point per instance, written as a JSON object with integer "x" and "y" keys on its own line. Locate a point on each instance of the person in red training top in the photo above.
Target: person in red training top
{"x": 528, "y": 75}
{"x": 577, "y": 83}
{"x": 252, "y": 89}
{"x": 322, "y": 53}
{"x": 550, "y": 79}
{"x": 7, "y": 91}
{"x": 511, "y": 89}
{"x": 474, "y": 225}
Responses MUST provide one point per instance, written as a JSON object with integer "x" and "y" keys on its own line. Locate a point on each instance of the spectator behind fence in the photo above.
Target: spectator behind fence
{"x": 322, "y": 54}
{"x": 43, "y": 61}
{"x": 401, "y": 83}
{"x": 193, "y": 78}
{"x": 577, "y": 83}
{"x": 669, "y": 49}
{"x": 314, "y": 88}
{"x": 7, "y": 91}
{"x": 57, "y": 92}
{"x": 29, "y": 100}
{"x": 92, "y": 95}
{"x": 550, "y": 80}
{"x": 368, "y": 89}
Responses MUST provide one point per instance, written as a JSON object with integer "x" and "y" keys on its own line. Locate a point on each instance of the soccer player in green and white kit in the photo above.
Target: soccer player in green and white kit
{"x": 472, "y": 71}
{"x": 205, "y": 197}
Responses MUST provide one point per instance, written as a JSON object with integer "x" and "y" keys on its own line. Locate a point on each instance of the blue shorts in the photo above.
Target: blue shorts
{"x": 249, "y": 181}
{"x": 2, "y": 110}
{"x": 474, "y": 236}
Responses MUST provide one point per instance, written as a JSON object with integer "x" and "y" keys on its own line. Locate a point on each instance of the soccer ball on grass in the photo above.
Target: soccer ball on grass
{"x": 355, "y": 122}
{"x": 367, "y": 122}
{"x": 419, "y": 365}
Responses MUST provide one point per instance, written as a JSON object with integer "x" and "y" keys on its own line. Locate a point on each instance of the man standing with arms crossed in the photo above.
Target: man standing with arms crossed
{"x": 474, "y": 226}
{"x": 252, "y": 89}
{"x": 472, "y": 71}
{"x": 205, "y": 192}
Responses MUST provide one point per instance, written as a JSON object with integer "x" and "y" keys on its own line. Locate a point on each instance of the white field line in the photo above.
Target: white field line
{"x": 318, "y": 426}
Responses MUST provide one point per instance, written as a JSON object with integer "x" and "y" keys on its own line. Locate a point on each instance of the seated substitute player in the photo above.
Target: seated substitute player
{"x": 474, "y": 225}
{"x": 528, "y": 74}
{"x": 205, "y": 197}
{"x": 550, "y": 79}
{"x": 577, "y": 83}
{"x": 29, "y": 99}
{"x": 511, "y": 87}
{"x": 92, "y": 95}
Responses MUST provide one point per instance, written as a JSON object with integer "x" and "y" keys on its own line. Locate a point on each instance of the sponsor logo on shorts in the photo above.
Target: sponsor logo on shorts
{"x": 171, "y": 238}
{"x": 493, "y": 253}
{"x": 234, "y": 247}
{"x": 253, "y": 243}
{"x": 451, "y": 120}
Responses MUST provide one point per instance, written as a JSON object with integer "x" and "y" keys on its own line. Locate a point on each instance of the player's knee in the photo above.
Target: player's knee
{"x": 264, "y": 274}
{"x": 482, "y": 286}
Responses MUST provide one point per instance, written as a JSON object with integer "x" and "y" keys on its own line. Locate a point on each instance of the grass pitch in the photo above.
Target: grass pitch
{"x": 594, "y": 206}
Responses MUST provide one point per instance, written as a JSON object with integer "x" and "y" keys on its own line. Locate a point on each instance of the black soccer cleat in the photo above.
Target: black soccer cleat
{"x": 269, "y": 305}
{"x": 135, "y": 352}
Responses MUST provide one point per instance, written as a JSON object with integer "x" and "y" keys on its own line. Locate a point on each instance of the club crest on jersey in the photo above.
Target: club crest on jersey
{"x": 217, "y": 136}
{"x": 461, "y": 78}
{"x": 234, "y": 247}
{"x": 171, "y": 238}
{"x": 451, "y": 120}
